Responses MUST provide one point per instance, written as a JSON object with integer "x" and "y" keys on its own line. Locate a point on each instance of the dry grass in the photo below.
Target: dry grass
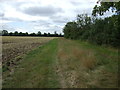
{"x": 89, "y": 61}
{"x": 78, "y": 67}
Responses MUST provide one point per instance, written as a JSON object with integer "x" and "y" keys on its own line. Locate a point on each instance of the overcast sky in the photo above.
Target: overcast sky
{"x": 41, "y": 15}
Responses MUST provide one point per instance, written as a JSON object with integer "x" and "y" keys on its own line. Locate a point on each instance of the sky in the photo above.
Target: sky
{"x": 41, "y": 15}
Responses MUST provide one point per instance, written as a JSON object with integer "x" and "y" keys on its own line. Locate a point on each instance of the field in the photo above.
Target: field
{"x": 59, "y": 63}
{"x": 14, "y": 48}
{"x": 20, "y": 45}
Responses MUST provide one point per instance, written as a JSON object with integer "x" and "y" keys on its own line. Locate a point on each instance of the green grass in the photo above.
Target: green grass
{"x": 36, "y": 69}
{"x": 63, "y": 63}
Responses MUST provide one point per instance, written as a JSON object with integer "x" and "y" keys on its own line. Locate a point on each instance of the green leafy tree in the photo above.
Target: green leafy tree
{"x": 45, "y": 34}
{"x": 113, "y": 21}
{"x": 5, "y": 32}
{"x": 48, "y": 34}
{"x": 39, "y": 33}
{"x": 32, "y": 34}
{"x": 16, "y": 33}
{"x": 11, "y": 34}
{"x": 55, "y": 34}
{"x": 26, "y": 34}
{"x": 70, "y": 30}
{"x": 106, "y": 6}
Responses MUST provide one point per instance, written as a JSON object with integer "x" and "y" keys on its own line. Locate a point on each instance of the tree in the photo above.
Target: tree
{"x": 11, "y": 34}
{"x": 39, "y": 33}
{"x": 106, "y": 6}
{"x": 48, "y": 34}
{"x": 97, "y": 31}
{"x": 16, "y": 33}
{"x": 32, "y": 34}
{"x": 26, "y": 34}
{"x": 84, "y": 23}
{"x": 45, "y": 34}
{"x": 114, "y": 6}
{"x": 70, "y": 30}
{"x": 60, "y": 35}
{"x": 21, "y": 34}
{"x": 4, "y": 32}
{"x": 55, "y": 34}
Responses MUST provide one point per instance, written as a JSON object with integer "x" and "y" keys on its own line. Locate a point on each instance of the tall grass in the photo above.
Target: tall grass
{"x": 86, "y": 65}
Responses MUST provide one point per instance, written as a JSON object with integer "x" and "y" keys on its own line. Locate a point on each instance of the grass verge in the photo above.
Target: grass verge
{"x": 84, "y": 65}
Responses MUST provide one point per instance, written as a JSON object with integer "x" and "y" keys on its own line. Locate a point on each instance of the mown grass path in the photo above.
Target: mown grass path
{"x": 63, "y": 63}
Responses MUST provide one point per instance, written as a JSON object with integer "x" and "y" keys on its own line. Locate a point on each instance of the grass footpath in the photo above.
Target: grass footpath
{"x": 63, "y": 63}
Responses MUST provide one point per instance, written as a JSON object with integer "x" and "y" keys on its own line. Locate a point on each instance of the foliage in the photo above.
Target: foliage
{"x": 16, "y": 33}
{"x": 98, "y": 31}
{"x": 70, "y": 30}
{"x": 4, "y": 32}
{"x": 106, "y": 6}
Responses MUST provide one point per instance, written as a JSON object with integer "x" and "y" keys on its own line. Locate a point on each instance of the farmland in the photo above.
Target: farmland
{"x": 20, "y": 45}
{"x": 14, "y": 48}
{"x": 59, "y": 63}
{"x": 59, "y": 44}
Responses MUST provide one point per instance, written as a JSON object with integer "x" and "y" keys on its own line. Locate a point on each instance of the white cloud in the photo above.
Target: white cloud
{"x": 43, "y": 15}
{"x": 21, "y": 30}
{"x": 4, "y": 22}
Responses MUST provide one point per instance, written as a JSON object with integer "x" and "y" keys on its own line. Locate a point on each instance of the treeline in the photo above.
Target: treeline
{"x": 96, "y": 30}
{"x": 99, "y": 31}
{"x": 16, "y": 33}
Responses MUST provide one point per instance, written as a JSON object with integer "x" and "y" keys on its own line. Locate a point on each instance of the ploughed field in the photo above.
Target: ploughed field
{"x": 58, "y": 63}
{"x": 15, "y": 47}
